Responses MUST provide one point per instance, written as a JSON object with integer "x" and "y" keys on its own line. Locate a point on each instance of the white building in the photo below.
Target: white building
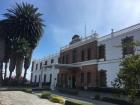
{"x": 106, "y": 61}
{"x": 43, "y": 71}
{"x": 114, "y": 54}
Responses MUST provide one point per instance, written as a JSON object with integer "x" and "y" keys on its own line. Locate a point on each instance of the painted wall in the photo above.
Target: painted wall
{"x": 114, "y": 54}
{"x": 46, "y": 71}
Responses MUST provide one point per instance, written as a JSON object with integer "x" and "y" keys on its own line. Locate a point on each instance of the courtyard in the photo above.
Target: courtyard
{"x": 22, "y": 98}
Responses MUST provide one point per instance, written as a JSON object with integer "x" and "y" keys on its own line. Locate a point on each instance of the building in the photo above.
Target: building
{"x": 94, "y": 61}
{"x": 43, "y": 71}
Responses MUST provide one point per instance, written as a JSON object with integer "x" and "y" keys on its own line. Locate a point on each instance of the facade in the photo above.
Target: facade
{"x": 44, "y": 72}
{"x": 93, "y": 61}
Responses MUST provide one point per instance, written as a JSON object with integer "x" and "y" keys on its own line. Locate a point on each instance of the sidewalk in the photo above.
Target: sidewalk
{"x": 22, "y": 98}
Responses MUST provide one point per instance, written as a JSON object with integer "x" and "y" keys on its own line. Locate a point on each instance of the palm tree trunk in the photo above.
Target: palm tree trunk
{"x": 5, "y": 74}
{"x": 10, "y": 75}
{"x": 19, "y": 65}
{"x": 1, "y": 66}
{"x": 12, "y": 65}
{"x": 25, "y": 72}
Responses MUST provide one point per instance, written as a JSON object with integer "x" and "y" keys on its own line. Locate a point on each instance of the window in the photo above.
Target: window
{"x": 31, "y": 77}
{"x": 52, "y": 60}
{"x": 127, "y": 46}
{"x": 101, "y": 51}
{"x": 39, "y": 78}
{"x": 50, "y": 77}
{"x": 32, "y": 66}
{"x": 102, "y": 75}
{"x": 89, "y": 53}
{"x": 82, "y": 55}
{"x": 88, "y": 77}
{"x": 59, "y": 60}
{"x": 67, "y": 58}
{"x": 35, "y": 78}
{"x": 40, "y": 65}
{"x": 44, "y": 78}
{"x": 63, "y": 59}
{"x": 82, "y": 77}
{"x": 46, "y": 62}
{"x": 36, "y": 66}
{"x": 74, "y": 56}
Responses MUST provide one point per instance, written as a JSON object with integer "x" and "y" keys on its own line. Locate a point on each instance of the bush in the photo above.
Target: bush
{"x": 46, "y": 95}
{"x": 27, "y": 90}
{"x": 97, "y": 97}
{"x": 72, "y": 102}
{"x": 115, "y": 101}
{"x": 57, "y": 99}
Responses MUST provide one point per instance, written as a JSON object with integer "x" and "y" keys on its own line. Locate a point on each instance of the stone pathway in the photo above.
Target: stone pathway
{"x": 22, "y": 98}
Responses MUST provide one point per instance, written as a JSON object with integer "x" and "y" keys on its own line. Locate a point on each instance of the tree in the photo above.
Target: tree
{"x": 26, "y": 24}
{"x": 129, "y": 77}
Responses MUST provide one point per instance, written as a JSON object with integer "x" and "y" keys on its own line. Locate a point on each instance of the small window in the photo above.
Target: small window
{"x": 50, "y": 77}
{"x": 63, "y": 59}
{"x": 74, "y": 56}
{"x": 67, "y": 58}
{"x": 88, "y": 77}
{"x": 32, "y": 66}
{"x": 39, "y": 78}
{"x": 36, "y": 66}
{"x": 101, "y": 51}
{"x": 59, "y": 60}
{"x": 127, "y": 46}
{"x": 52, "y": 60}
{"x": 82, "y": 77}
{"x": 82, "y": 55}
{"x": 44, "y": 78}
{"x": 46, "y": 62}
{"x": 89, "y": 53}
{"x": 35, "y": 78}
{"x": 41, "y": 65}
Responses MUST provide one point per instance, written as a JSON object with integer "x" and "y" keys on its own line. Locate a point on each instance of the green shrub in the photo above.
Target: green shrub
{"x": 46, "y": 95}
{"x": 72, "y": 102}
{"x": 57, "y": 99}
{"x": 27, "y": 90}
{"x": 97, "y": 97}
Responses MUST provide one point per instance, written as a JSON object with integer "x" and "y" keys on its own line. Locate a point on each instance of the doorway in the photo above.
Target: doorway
{"x": 73, "y": 82}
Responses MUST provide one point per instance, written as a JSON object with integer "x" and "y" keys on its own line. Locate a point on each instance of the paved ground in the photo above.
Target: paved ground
{"x": 22, "y": 98}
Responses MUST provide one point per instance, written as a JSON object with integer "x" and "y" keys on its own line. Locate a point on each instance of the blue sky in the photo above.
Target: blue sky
{"x": 64, "y": 18}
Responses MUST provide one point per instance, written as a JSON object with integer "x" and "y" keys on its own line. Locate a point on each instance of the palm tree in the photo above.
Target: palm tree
{"x": 2, "y": 51}
{"x": 26, "y": 24}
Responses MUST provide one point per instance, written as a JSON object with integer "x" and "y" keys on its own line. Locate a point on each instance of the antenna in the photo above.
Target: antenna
{"x": 85, "y": 30}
